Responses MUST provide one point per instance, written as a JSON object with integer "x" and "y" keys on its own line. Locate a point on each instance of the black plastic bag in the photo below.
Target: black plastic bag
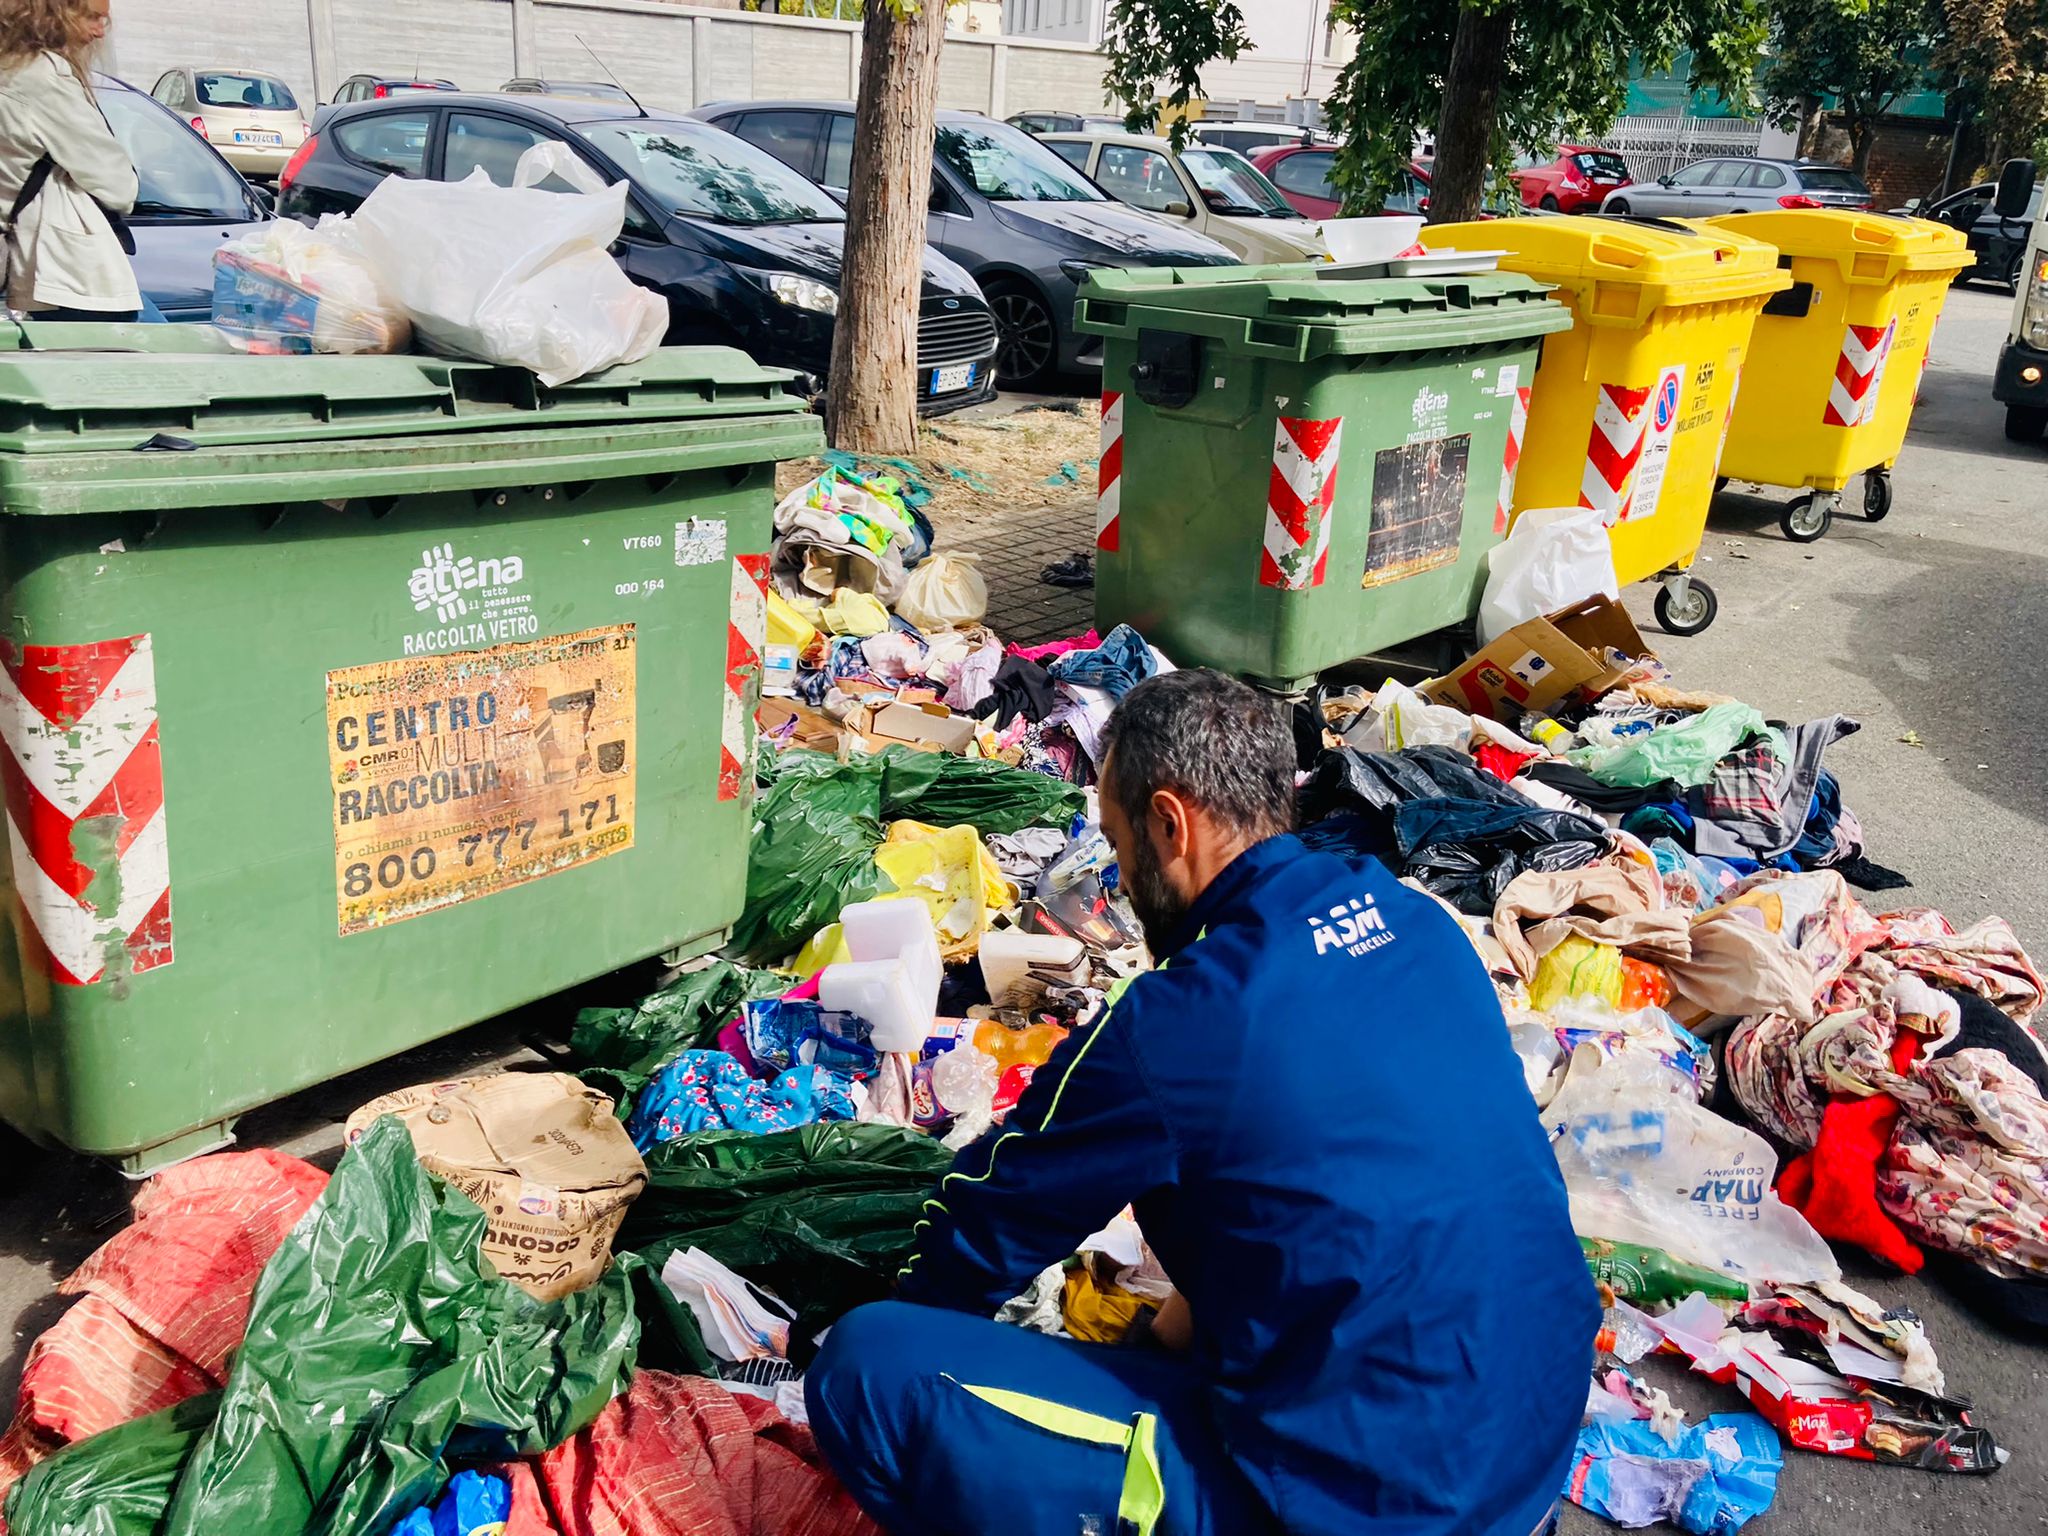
{"x": 1467, "y": 851}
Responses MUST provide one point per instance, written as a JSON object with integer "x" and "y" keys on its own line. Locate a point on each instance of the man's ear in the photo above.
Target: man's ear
{"x": 1176, "y": 819}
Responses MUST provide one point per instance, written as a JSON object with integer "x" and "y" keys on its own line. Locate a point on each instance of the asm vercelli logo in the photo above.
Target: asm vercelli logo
{"x": 1355, "y": 927}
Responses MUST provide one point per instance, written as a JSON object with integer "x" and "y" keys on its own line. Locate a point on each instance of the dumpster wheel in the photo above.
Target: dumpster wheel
{"x": 1808, "y": 517}
{"x": 1686, "y": 605}
{"x": 1877, "y": 496}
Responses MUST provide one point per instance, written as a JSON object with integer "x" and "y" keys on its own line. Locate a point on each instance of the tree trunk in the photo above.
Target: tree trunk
{"x": 871, "y": 405}
{"x": 1812, "y": 114}
{"x": 1464, "y": 135}
{"x": 1862, "y": 139}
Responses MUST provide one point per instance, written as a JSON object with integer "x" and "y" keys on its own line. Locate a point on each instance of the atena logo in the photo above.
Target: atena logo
{"x": 1355, "y": 927}
{"x": 1428, "y": 405}
{"x": 441, "y": 582}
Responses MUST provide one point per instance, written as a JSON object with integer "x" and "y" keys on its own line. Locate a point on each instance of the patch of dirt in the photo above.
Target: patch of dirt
{"x": 1037, "y": 458}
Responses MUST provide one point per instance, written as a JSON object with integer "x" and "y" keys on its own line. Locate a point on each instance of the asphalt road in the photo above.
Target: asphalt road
{"x": 1932, "y": 623}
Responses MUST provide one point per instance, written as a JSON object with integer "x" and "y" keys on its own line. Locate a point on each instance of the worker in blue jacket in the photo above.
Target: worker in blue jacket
{"x": 1315, "y": 1110}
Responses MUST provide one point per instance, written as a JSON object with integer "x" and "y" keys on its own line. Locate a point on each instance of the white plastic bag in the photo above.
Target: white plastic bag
{"x": 511, "y": 275}
{"x": 1644, "y": 1163}
{"x": 284, "y": 288}
{"x": 1554, "y": 557}
{"x": 945, "y": 592}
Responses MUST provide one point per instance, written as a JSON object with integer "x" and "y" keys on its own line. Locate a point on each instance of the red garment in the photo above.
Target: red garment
{"x": 1499, "y": 761}
{"x": 1835, "y": 1185}
{"x": 683, "y": 1456}
{"x": 1044, "y": 653}
{"x": 165, "y": 1301}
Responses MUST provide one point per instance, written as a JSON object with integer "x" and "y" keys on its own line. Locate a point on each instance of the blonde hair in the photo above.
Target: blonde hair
{"x": 63, "y": 27}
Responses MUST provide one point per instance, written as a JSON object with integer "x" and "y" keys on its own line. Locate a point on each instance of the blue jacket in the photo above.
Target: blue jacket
{"x": 1314, "y": 1107}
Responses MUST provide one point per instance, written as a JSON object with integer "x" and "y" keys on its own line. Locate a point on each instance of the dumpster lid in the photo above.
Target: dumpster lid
{"x": 95, "y": 388}
{"x": 1695, "y": 265}
{"x": 1836, "y": 234}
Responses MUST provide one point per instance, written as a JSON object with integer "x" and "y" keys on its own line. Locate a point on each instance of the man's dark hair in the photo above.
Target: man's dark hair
{"x": 1222, "y": 744}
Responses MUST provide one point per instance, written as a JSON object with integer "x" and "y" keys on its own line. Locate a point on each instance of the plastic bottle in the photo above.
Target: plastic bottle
{"x": 1640, "y": 1274}
{"x": 1626, "y": 1334}
{"x": 1009, "y": 1047}
{"x": 893, "y": 979}
{"x": 1546, "y": 733}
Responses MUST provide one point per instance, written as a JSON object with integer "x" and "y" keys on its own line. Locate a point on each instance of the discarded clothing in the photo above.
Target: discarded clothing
{"x": 1117, "y": 665}
{"x": 1615, "y": 902}
{"x": 1720, "y": 1475}
{"x": 1608, "y": 799}
{"x": 1755, "y": 803}
{"x": 1021, "y": 687}
{"x": 1088, "y": 640}
{"x": 1377, "y": 783}
{"x": 710, "y": 1091}
{"x": 1024, "y": 855}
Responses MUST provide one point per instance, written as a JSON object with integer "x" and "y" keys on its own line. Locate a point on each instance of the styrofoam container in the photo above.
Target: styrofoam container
{"x": 892, "y": 980}
{"x": 1378, "y": 238}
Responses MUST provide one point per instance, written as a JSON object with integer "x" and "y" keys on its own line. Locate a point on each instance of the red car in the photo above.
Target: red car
{"x": 1574, "y": 182}
{"x": 1302, "y": 173}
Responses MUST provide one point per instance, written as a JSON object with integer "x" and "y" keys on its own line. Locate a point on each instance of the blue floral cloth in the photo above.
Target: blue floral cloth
{"x": 711, "y": 1091}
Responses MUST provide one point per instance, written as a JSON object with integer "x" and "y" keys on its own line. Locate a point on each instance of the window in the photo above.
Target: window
{"x": 1728, "y": 173}
{"x": 162, "y": 91}
{"x": 1308, "y": 174}
{"x": 1765, "y": 178}
{"x": 175, "y": 169}
{"x": 259, "y": 93}
{"x": 699, "y": 172}
{"x": 1141, "y": 177}
{"x": 1828, "y": 179}
{"x": 838, "y": 152}
{"x": 1602, "y": 167}
{"x": 1408, "y": 195}
{"x": 1074, "y": 152}
{"x": 1696, "y": 174}
{"x": 393, "y": 142}
{"x": 493, "y": 145}
{"x": 791, "y": 137}
{"x": 1008, "y": 166}
{"x": 1230, "y": 185}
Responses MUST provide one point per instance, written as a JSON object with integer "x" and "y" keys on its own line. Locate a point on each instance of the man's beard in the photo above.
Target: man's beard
{"x": 1159, "y": 906}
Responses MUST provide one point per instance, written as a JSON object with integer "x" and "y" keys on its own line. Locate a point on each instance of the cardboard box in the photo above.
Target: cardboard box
{"x": 928, "y": 727}
{"x": 544, "y": 1157}
{"x": 1536, "y": 664}
{"x": 814, "y": 728}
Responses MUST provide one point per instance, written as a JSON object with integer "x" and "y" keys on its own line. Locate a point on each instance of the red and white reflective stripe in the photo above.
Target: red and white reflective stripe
{"x": 83, "y": 775}
{"x": 1109, "y": 473}
{"x": 1613, "y": 449}
{"x": 1859, "y": 375}
{"x": 746, "y": 632}
{"x": 1298, "y": 497}
{"x": 1518, "y": 421}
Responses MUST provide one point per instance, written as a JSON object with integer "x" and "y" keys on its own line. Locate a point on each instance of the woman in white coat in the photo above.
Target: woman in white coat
{"x": 64, "y": 177}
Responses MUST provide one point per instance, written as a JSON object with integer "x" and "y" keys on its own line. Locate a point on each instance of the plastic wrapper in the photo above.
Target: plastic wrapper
{"x": 514, "y": 275}
{"x": 626, "y": 1045}
{"x": 946, "y": 592}
{"x": 1644, "y": 1163}
{"x": 1720, "y": 1475}
{"x": 1554, "y": 557}
{"x": 1685, "y": 752}
{"x": 380, "y": 1345}
{"x": 284, "y": 288}
{"x": 1468, "y": 852}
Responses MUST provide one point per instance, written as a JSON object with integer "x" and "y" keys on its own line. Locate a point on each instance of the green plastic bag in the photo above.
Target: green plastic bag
{"x": 818, "y": 821}
{"x": 631, "y": 1043}
{"x": 823, "y": 1215}
{"x": 1685, "y": 751}
{"x": 380, "y": 1344}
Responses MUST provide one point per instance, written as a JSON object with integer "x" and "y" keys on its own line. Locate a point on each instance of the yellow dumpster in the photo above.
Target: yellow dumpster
{"x": 1628, "y": 407}
{"x": 1836, "y": 360}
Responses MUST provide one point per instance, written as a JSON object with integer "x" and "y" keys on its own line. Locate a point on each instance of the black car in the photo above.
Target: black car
{"x": 1009, "y": 210}
{"x": 189, "y": 201}
{"x": 745, "y": 251}
{"x": 2000, "y": 245}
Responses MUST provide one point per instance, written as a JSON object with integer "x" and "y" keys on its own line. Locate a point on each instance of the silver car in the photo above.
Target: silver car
{"x": 1708, "y": 187}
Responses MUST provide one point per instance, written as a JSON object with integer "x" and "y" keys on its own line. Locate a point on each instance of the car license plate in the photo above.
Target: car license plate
{"x": 258, "y": 138}
{"x": 952, "y": 379}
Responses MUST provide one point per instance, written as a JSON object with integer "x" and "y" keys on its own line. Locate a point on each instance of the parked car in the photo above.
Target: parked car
{"x": 1216, "y": 190}
{"x": 189, "y": 202}
{"x": 1302, "y": 173}
{"x": 253, "y": 119}
{"x": 1999, "y": 244}
{"x": 1574, "y": 180}
{"x": 1013, "y": 213}
{"x": 746, "y": 252}
{"x": 1066, "y": 122}
{"x": 1740, "y": 186}
{"x": 1249, "y": 138}
{"x": 377, "y": 87}
{"x": 586, "y": 90}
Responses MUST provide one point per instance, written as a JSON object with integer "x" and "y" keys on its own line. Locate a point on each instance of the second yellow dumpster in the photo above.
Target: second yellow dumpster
{"x": 1628, "y": 407}
{"x": 1836, "y": 360}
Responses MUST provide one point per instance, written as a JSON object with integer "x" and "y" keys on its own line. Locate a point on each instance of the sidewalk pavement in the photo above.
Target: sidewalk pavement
{"x": 1012, "y": 546}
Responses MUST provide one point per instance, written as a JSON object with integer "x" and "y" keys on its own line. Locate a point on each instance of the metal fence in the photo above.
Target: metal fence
{"x": 1657, "y": 145}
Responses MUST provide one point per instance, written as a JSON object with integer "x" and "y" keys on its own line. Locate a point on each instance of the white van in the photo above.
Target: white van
{"x": 2021, "y": 384}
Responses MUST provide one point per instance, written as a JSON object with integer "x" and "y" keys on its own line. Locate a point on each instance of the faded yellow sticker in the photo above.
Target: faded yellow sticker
{"x": 455, "y": 776}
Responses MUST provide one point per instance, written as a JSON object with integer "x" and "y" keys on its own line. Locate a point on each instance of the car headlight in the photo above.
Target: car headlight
{"x": 1076, "y": 269}
{"x": 803, "y": 292}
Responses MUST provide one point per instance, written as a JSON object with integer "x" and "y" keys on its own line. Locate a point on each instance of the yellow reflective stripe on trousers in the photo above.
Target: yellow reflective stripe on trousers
{"x": 1143, "y": 1499}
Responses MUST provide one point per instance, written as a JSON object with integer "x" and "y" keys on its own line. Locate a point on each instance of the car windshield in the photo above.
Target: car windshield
{"x": 594, "y": 90}
{"x": 1826, "y": 179}
{"x": 1603, "y": 167}
{"x": 704, "y": 172}
{"x": 1231, "y": 184}
{"x": 179, "y": 174}
{"x": 259, "y": 93}
{"x": 1011, "y": 167}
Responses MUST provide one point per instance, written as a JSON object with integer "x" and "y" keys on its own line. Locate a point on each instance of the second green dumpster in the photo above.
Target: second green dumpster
{"x": 1298, "y": 470}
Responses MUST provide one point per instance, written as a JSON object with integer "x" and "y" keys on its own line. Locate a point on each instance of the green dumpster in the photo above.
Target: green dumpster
{"x": 1300, "y": 470}
{"x": 350, "y": 700}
